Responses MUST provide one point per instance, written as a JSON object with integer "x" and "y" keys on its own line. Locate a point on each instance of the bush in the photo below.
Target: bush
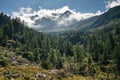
{"x": 18, "y": 53}
{"x": 3, "y": 62}
{"x": 28, "y": 55}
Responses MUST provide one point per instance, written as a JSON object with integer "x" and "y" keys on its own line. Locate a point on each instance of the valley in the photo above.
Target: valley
{"x": 90, "y": 50}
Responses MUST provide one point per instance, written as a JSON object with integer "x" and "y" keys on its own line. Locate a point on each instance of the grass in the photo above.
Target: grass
{"x": 24, "y": 71}
{"x": 30, "y": 72}
{"x": 77, "y": 77}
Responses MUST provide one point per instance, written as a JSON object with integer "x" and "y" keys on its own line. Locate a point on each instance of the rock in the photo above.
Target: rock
{"x": 40, "y": 75}
{"x": 54, "y": 72}
{"x": 14, "y": 63}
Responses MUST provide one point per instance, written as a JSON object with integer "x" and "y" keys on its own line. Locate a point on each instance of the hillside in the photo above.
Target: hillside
{"x": 97, "y": 21}
{"x": 29, "y": 43}
{"x": 92, "y": 24}
{"x": 100, "y": 39}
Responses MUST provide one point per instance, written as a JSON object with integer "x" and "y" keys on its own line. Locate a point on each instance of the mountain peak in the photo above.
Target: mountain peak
{"x": 67, "y": 13}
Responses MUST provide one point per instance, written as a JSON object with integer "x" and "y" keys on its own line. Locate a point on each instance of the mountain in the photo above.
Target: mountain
{"x": 52, "y": 21}
{"x": 65, "y": 14}
{"x": 97, "y": 21}
{"x": 55, "y": 22}
{"x": 89, "y": 26}
{"x": 60, "y": 23}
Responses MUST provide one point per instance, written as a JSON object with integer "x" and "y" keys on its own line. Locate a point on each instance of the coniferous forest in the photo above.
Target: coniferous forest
{"x": 92, "y": 54}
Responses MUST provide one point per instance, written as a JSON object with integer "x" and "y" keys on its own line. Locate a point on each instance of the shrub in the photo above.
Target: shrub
{"x": 3, "y": 62}
{"x": 28, "y": 55}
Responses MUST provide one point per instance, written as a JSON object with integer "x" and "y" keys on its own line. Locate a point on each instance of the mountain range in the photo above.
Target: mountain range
{"x": 46, "y": 20}
{"x": 97, "y": 25}
{"x": 57, "y": 23}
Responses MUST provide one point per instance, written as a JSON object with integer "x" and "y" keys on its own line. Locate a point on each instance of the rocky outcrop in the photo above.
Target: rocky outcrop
{"x": 40, "y": 76}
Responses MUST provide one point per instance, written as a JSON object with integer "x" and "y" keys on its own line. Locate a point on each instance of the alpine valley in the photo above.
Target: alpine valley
{"x": 84, "y": 49}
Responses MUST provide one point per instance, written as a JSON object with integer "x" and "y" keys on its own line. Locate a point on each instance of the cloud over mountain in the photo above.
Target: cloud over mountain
{"x": 47, "y": 20}
{"x": 112, "y": 3}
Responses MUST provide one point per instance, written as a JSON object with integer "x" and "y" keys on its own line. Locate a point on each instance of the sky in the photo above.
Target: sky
{"x": 8, "y": 6}
{"x": 80, "y": 9}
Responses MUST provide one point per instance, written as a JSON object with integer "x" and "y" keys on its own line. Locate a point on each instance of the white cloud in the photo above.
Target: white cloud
{"x": 51, "y": 20}
{"x": 112, "y": 3}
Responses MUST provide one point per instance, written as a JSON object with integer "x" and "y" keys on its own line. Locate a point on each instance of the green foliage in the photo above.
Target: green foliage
{"x": 28, "y": 55}
{"x": 3, "y": 60}
{"x": 35, "y": 46}
{"x": 78, "y": 53}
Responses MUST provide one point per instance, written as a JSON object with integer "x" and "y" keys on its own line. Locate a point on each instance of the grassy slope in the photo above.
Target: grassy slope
{"x": 31, "y": 71}
{"x": 24, "y": 71}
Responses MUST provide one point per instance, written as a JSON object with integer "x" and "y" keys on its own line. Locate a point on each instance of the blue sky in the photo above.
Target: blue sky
{"x": 8, "y": 6}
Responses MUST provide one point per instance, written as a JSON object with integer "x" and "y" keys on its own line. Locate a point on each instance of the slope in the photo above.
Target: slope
{"x": 97, "y": 21}
{"x": 30, "y": 44}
